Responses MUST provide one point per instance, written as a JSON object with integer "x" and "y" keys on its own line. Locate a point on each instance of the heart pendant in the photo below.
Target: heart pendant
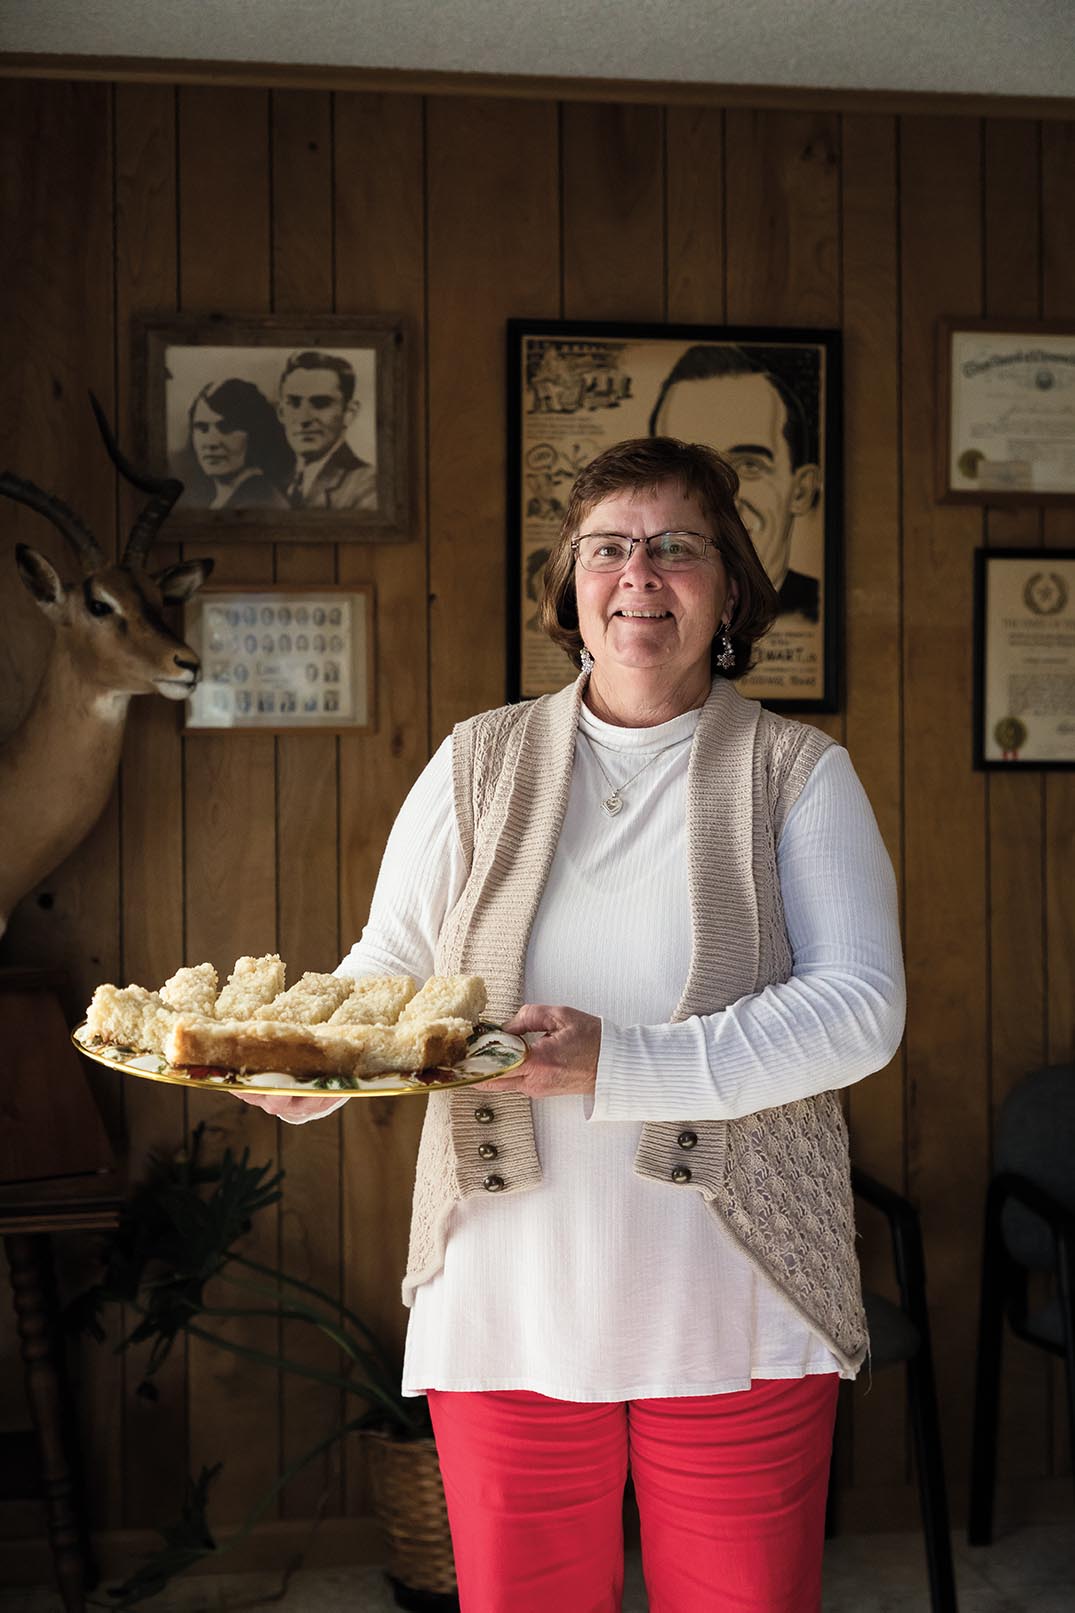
{"x": 612, "y": 804}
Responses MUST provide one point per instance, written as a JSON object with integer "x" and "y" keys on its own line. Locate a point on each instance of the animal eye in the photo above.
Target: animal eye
{"x": 99, "y": 607}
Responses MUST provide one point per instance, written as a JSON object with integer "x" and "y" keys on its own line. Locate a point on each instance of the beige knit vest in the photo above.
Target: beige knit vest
{"x": 779, "y": 1180}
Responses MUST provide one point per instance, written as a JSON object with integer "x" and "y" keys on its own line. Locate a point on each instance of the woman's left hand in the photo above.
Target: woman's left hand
{"x": 563, "y": 1060}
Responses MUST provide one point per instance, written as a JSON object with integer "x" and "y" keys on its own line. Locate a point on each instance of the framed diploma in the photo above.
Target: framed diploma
{"x": 282, "y": 658}
{"x": 1006, "y": 422}
{"x": 768, "y": 399}
{"x": 1024, "y": 705}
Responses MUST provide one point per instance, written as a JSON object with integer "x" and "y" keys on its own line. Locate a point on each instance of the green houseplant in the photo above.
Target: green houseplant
{"x": 180, "y": 1230}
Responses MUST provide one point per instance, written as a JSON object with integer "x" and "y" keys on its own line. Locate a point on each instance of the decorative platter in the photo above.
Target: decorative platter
{"x": 490, "y": 1052}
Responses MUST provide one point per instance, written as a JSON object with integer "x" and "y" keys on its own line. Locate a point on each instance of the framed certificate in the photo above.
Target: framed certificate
{"x": 1006, "y": 420}
{"x": 1024, "y": 706}
{"x": 281, "y": 658}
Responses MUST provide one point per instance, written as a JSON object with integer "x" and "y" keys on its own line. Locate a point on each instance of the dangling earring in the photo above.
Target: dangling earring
{"x": 725, "y": 653}
{"x": 586, "y": 661}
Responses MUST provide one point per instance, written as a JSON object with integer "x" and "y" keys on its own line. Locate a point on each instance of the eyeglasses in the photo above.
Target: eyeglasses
{"x": 669, "y": 551}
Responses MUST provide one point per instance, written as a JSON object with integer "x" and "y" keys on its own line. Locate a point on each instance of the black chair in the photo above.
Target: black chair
{"x": 1029, "y": 1226}
{"x": 901, "y": 1333}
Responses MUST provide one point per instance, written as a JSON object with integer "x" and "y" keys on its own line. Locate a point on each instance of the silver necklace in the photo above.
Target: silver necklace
{"x": 612, "y": 802}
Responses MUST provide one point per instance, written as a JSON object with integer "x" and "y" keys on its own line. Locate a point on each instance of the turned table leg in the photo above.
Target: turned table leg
{"x": 29, "y": 1256}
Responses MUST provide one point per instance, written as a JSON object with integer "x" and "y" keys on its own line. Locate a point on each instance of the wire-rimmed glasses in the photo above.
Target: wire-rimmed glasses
{"x": 669, "y": 551}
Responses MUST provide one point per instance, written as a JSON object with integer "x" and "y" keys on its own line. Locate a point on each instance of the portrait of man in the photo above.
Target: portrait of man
{"x": 759, "y": 407}
{"x": 317, "y": 403}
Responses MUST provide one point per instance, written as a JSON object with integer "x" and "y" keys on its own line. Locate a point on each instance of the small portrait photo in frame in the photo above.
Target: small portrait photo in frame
{"x": 767, "y": 399}
{"x": 277, "y": 426}
{"x": 282, "y": 658}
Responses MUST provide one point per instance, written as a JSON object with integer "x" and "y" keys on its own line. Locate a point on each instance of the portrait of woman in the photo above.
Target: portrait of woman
{"x": 636, "y": 1253}
{"x": 237, "y": 455}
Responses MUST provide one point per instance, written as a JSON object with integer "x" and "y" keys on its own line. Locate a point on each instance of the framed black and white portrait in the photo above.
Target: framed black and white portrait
{"x": 282, "y": 658}
{"x": 278, "y": 423}
{"x": 768, "y": 399}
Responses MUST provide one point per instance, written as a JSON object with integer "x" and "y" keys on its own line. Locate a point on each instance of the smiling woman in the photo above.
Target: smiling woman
{"x": 656, "y": 580}
{"x": 683, "y": 902}
{"x": 649, "y": 607}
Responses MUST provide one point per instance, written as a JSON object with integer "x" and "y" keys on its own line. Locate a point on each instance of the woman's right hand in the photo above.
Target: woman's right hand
{"x": 285, "y": 1107}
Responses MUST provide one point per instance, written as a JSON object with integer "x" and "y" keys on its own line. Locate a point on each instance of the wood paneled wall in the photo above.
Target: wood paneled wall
{"x": 457, "y": 213}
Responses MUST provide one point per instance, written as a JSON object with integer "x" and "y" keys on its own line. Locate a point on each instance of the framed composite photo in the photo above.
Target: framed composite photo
{"x": 278, "y": 427}
{"x": 767, "y": 398}
{"x": 282, "y": 658}
{"x": 1006, "y": 412}
{"x": 1024, "y": 652}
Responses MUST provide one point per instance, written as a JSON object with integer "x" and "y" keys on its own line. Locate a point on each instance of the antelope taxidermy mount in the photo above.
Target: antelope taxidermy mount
{"x": 111, "y": 642}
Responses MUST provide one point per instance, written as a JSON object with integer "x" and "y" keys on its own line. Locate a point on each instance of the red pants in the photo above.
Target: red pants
{"x": 730, "y": 1489}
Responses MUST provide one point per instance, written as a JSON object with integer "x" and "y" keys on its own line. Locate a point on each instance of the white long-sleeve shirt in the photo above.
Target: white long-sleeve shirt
{"x": 600, "y": 1284}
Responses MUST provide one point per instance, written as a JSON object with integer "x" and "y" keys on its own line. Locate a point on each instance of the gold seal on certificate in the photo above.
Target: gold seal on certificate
{"x": 1025, "y": 654}
{"x": 1010, "y": 735}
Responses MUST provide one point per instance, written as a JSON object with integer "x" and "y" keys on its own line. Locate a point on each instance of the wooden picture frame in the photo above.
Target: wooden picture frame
{"x": 279, "y": 427}
{"x": 281, "y": 658}
{"x": 768, "y": 398}
{"x": 1024, "y": 660}
{"x": 1005, "y": 412}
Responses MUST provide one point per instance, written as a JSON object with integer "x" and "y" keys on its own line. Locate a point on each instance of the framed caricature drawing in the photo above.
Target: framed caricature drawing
{"x": 767, "y": 399}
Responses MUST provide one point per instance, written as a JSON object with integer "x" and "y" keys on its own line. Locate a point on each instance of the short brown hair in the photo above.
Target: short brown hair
{"x": 642, "y": 464}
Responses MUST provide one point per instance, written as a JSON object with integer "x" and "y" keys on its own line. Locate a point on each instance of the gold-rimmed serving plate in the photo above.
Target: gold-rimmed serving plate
{"x": 490, "y": 1052}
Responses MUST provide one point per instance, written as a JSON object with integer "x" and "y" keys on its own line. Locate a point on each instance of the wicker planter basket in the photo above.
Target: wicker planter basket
{"x": 408, "y": 1500}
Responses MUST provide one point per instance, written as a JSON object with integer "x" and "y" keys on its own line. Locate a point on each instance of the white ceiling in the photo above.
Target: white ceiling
{"x": 998, "y": 47}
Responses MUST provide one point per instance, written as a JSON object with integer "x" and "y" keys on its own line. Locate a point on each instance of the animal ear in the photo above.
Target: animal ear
{"x": 179, "y": 582}
{"x": 39, "y": 576}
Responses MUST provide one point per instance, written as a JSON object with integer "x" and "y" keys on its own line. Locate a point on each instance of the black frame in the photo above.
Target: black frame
{"x": 982, "y": 558}
{"x": 829, "y": 340}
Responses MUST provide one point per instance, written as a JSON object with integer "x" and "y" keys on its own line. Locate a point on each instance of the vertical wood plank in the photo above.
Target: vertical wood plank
{"x": 306, "y": 812}
{"x": 155, "y": 1432}
{"x": 56, "y": 269}
{"x": 783, "y": 234}
{"x": 1016, "y": 895}
{"x": 1058, "y": 301}
{"x": 947, "y": 1037}
{"x": 380, "y": 248}
{"x": 56, "y": 266}
{"x": 230, "y": 779}
{"x": 613, "y": 211}
{"x": 488, "y": 161}
{"x": 782, "y": 217}
{"x": 694, "y": 187}
{"x": 873, "y": 705}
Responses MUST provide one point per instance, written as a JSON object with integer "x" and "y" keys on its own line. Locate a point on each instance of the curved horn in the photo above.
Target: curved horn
{"x": 55, "y": 510}
{"x": 163, "y": 491}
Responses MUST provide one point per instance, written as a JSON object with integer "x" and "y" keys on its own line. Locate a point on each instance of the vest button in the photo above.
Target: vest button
{"x": 483, "y": 1115}
{"x": 493, "y": 1184}
{"x": 487, "y": 1151}
{"x": 687, "y": 1139}
{"x": 681, "y": 1174}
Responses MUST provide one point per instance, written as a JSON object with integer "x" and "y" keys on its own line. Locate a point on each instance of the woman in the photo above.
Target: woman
{"x": 652, "y": 1265}
{"x": 238, "y": 448}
